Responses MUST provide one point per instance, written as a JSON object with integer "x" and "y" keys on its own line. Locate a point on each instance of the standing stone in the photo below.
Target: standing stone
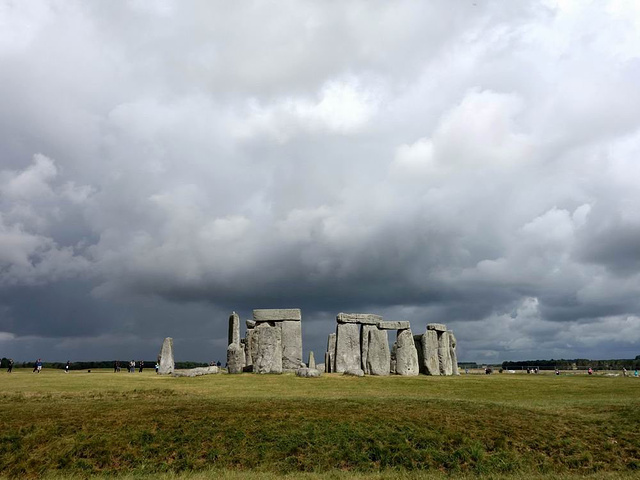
{"x": 417, "y": 341}
{"x": 291, "y": 344}
{"x": 330, "y": 356}
{"x": 268, "y": 340}
{"x": 165, "y": 357}
{"x": 234, "y": 328}
{"x": 347, "y": 347}
{"x": 444, "y": 355}
{"x": 452, "y": 351}
{"x": 312, "y": 361}
{"x": 406, "y": 355}
{"x": 235, "y": 358}
{"x": 430, "y": 362}
{"x": 378, "y": 355}
{"x": 393, "y": 358}
{"x": 250, "y": 350}
{"x": 364, "y": 338}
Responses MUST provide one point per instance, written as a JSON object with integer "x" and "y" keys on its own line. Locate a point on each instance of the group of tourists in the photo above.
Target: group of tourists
{"x": 131, "y": 366}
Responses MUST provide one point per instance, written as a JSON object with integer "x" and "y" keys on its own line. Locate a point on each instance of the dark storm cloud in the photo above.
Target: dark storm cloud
{"x": 164, "y": 163}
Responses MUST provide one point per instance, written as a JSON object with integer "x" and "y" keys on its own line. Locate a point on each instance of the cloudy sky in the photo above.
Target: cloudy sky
{"x": 473, "y": 162}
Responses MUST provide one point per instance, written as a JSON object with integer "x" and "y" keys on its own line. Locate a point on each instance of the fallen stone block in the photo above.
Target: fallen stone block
{"x": 308, "y": 373}
{"x": 355, "y": 372}
{"x": 196, "y": 372}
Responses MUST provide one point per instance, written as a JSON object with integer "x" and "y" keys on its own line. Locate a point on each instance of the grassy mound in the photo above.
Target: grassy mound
{"x": 143, "y": 424}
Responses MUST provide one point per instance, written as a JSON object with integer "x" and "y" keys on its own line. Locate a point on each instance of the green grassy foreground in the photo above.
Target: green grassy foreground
{"x": 247, "y": 426}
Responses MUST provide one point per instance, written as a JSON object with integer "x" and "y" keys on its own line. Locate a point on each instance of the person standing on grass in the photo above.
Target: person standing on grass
{"x": 624, "y": 371}
{"x": 157, "y": 367}
{"x": 590, "y": 371}
{"x": 39, "y": 365}
{"x": 67, "y": 366}
{"x": 141, "y": 363}
{"x": 115, "y": 366}
{"x": 10, "y": 369}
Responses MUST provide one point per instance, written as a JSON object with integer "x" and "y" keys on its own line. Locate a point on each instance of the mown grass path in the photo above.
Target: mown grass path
{"x": 136, "y": 424}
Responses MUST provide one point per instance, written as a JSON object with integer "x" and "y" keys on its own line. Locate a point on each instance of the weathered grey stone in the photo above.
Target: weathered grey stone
{"x": 331, "y": 350}
{"x": 268, "y": 344}
{"x": 452, "y": 352}
{"x": 347, "y": 347}
{"x": 361, "y": 318}
{"x": 234, "y": 328}
{"x": 406, "y": 355}
{"x": 444, "y": 355}
{"x": 291, "y": 345}
{"x": 235, "y": 358}
{"x": 250, "y": 324}
{"x": 394, "y": 325}
{"x": 308, "y": 373}
{"x": 321, "y": 367}
{"x": 327, "y": 362}
{"x": 438, "y": 327}
{"x": 165, "y": 357}
{"x": 393, "y": 358}
{"x": 312, "y": 360}
{"x": 379, "y": 357}
{"x": 355, "y": 372}
{"x": 196, "y": 372}
{"x": 277, "y": 314}
{"x": 430, "y": 362}
{"x": 364, "y": 344}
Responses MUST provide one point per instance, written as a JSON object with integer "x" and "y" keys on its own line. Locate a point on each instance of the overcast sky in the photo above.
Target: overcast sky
{"x": 475, "y": 163}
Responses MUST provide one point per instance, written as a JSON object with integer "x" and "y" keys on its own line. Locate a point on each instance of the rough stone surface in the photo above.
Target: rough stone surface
{"x": 444, "y": 355}
{"x": 364, "y": 345}
{"x": 430, "y": 362}
{"x": 331, "y": 350}
{"x": 406, "y": 355}
{"x": 393, "y": 325}
{"x": 165, "y": 357}
{"x": 355, "y": 372}
{"x": 393, "y": 359}
{"x": 291, "y": 345}
{"x": 361, "y": 318}
{"x": 312, "y": 361}
{"x": 250, "y": 323}
{"x": 196, "y": 372}
{"x": 235, "y": 358}
{"x": 308, "y": 373}
{"x": 250, "y": 350}
{"x": 438, "y": 327}
{"x": 268, "y": 345}
{"x": 234, "y": 328}
{"x": 348, "y": 347}
{"x": 452, "y": 351}
{"x": 379, "y": 357}
{"x": 277, "y": 315}
{"x": 327, "y": 362}
{"x": 321, "y": 367}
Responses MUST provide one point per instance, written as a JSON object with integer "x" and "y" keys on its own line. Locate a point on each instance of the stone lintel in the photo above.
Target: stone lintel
{"x": 403, "y": 325}
{"x": 361, "y": 318}
{"x": 277, "y": 314}
{"x": 438, "y": 327}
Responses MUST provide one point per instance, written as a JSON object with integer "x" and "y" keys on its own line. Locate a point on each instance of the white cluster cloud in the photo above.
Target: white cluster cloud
{"x": 472, "y": 163}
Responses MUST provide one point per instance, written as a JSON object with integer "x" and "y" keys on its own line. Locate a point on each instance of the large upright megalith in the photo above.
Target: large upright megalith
{"x": 268, "y": 339}
{"x": 330, "y": 355}
{"x": 364, "y": 345}
{"x": 165, "y": 357}
{"x": 288, "y": 321}
{"x": 312, "y": 361}
{"x": 378, "y": 354}
{"x": 452, "y": 351}
{"x": 348, "y": 347}
{"x": 444, "y": 354}
{"x": 430, "y": 363}
{"x": 235, "y": 351}
{"x": 406, "y": 354}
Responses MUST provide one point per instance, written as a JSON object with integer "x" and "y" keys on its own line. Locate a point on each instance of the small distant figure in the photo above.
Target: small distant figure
{"x": 635, "y": 374}
{"x": 10, "y": 368}
{"x": 67, "y": 366}
{"x": 157, "y": 367}
{"x": 37, "y": 367}
{"x": 590, "y": 371}
{"x": 116, "y": 366}
{"x": 141, "y": 363}
{"x": 487, "y": 371}
{"x": 219, "y": 364}
{"x": 557, "y": 372}
{"x": 132, "y": 366}
{"x": 466, "y": 371}
{"x": 624, "y": 372}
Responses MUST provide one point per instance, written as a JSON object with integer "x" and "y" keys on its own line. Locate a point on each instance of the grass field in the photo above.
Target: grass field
{"x": 247, "y": 426}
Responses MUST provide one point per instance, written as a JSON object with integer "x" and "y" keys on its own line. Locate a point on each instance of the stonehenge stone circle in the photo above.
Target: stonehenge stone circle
{"x": 165, "y": 357}
{"x": 406, "y": 354}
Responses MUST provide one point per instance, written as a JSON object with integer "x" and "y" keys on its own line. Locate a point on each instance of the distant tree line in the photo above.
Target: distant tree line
{"x": 580, "y": 363}
{"x": 4, "y": 363}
